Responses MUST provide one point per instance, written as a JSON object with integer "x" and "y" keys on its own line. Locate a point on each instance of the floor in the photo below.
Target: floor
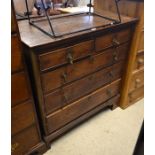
{"x": 107, "y": 133}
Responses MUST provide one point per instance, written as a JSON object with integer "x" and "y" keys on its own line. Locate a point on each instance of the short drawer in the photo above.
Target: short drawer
{"x": 139, "y": 62}
{"x": 136, "y": 95}
{"x": 54, "y": 79}
{"x": 137, "y": 80}
{"x": 16, "y": 54}
{"x": 25, "y": 141}
{"x": 19, "y": 88}
{"x": 112, "y": 39}
{"x": 81, "y": 106}
{"x": 65, "y": 55}
{"x": 22, "y": 116}
{"x": 69, "y": 93}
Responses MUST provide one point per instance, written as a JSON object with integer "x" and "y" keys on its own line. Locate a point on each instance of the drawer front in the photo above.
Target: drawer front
{"x": 139, "y": 63}
{"x": 64, "y": 75}
{"x": 112, "y": 39}
{"x": 81, "y": 106}
{"x": 16, "y": 54}
{"x": 137, "y": 80}
{"x": 65, "y": 55}
{"x": 141, "y": 42}
{"x": 19, "y": 88}
{"x": 136, "y": 95}
{"x": 22, "y": 116}
{"x": 79, "y": 88}
{"x": 24, "y": 142}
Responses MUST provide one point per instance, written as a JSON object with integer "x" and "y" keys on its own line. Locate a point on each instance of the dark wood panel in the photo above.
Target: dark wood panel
{"x": 77, "y": 89}
{"x": 19, "y": 88}
{"x": 63, "y": 75}
{"x": 16, "y": 54}
{"x": 137, "y": 80}
{"x": 80, "y": 107}
{"x": 25, "y": 141}
{"x": 65, "y": 55}
{"x": 112, "y": 39}
{"x": 139, "y": 62}
{"x": 22, "y": 116}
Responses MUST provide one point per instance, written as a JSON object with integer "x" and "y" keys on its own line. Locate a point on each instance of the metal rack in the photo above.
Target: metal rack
{"x": 49, "y": 19}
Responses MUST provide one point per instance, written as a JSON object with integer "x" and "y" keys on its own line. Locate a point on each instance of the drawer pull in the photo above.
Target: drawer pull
{"x": 111, "y": 74}
{"x": 137, "y": 82}
{"x": 70, "y": 58}
{"x": 65, "y": 98}
{"x": 115, "y": 57}
{"x": 91, "y": 59}
{"x": 115, "y": 42}
{"x": 109, "y": 93}
{"x": 14, "y": 147}
{"x": 140, "y": 61}
{"x": 64, "y": 77}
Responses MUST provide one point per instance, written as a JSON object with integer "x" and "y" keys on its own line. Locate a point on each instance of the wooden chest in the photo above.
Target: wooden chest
{"x": 75, "y": 76}
{"x": 25, "y": 132}
{"x": 136, "y": 58}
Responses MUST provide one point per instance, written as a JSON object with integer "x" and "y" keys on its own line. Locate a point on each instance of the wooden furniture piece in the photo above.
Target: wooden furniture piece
{"x": 25, "y": 132}
{"x": 133, "y": 83}
{"x": 77, "y": 75}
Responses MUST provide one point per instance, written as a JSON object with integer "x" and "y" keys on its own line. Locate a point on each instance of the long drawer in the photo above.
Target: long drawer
{"x": 22, "y": 116}
{"x": 16, "y": 55}
{"x": 137, "y": 80}
{"x": 54, "y": 79}
{"x": 24, "y": 141}
{"x": 65, "y": 55}
{"x": 112, "y": 39}
{"x": 139, "y": 62}
{"x": 79, "y": 88}
{"x": 19, "y": 88}
{"x": 76, "y": 109}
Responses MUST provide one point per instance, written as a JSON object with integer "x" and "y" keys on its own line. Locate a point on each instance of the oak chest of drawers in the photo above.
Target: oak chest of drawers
{"x": 76, "y": 76}
{"x": 26, "y": 138}
{"x": 130, "y": 93}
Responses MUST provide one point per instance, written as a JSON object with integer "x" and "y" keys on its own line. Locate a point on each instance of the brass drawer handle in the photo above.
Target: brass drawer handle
{"x": 70, "y": 58}
{"x": 115, "y": 57}
{"x": 140, "y": 61}
{"x": 14, "y": 147}
{"x": 115, "y": 42}
{"x": 64, "y": 77}
{"x": 91, "y": 58}
{"x": 137, "y": 82}
{"x": 65, "y": 98}
{"x": 111, "y": 74}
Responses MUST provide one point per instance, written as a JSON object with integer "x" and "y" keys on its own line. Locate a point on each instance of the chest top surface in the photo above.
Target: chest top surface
{"x": 32, "y": 37}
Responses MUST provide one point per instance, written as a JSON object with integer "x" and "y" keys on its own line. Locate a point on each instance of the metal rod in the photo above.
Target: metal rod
{"x": 27, "y": 8}
{"x": 48, "y": 18}
{"x": 90, "y": 6}
{"x": 118, "y": 12}
{"x": 52, "y": 34}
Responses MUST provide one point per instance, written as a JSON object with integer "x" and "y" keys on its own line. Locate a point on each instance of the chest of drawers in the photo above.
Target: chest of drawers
{"x": 76, "y": 76}
{"x": 25, "y": 133}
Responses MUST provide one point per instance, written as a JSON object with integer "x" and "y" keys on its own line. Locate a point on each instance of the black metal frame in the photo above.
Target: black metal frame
{"x": 49, "y": 19}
